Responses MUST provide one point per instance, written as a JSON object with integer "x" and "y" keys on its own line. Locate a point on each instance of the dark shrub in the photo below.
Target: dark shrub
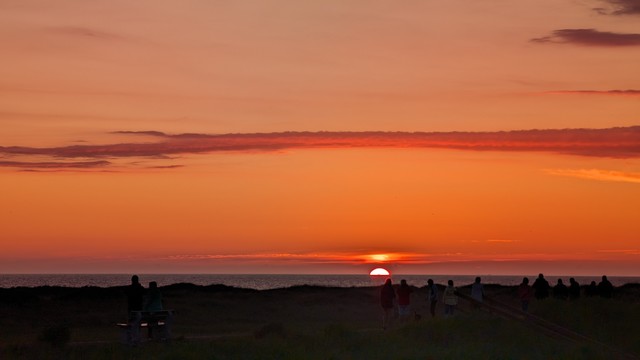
{"x": 271, "y": 329}
{"x": 57, "y": 336}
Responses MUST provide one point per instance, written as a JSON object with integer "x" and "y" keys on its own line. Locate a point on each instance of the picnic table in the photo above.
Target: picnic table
{"x": 157, "y": 323}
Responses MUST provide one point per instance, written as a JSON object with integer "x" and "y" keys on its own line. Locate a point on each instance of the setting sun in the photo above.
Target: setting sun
{"x": 379, "y": 272}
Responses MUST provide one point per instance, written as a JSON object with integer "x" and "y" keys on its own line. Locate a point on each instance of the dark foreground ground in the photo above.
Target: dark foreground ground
{"x": 219, "y": 322}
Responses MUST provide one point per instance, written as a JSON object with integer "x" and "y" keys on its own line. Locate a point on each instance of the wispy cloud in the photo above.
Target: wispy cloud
{"x": 315, "y": 258}
{"x": 598, "y": 174}
{"x": 83, "y": 32}
{"x": 413, "y": 258}
{"x": 620, "y": 7}
{"x": 590, "y": 37}
{"x": 612, "y": 142}
{"x": 56, "y": 165}
{"x": 306, "y": 258}
{"x": 496, "y": 241}
{"x": 629, "y": 92}
{"x": 622, "y": 251}
{"x": 165, "y": 167}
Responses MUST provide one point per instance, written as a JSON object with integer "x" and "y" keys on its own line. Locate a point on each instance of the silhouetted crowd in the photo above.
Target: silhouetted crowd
{"x": 542, "y": 290}
{"x": 525, "y": 292}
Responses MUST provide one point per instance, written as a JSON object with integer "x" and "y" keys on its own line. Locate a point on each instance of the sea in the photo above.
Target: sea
{"x": 267, "y": 282}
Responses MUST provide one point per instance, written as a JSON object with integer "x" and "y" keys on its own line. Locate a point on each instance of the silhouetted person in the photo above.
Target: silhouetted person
{"x": 135, "y": 296}
{"x": 449, "y": 298}
{"x": 605, "y": 288}
{"x": 387, "y": 297}
{"x": 574, "y": 289}
{"x": 154, "y": 298}
{"x": 525, "y": 293}
{"x": 477, "y": 293}
{"x": 432, "y": 296}
{"x": 541, "y": 287}
{"x": 153, "y": 304}
{"x": 560, "y": 291}
{"x": 404, "y": 299}
{"x": 592, "y": 289}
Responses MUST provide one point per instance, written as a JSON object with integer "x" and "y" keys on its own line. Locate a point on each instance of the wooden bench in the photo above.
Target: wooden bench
{"x": 158, "y": 324}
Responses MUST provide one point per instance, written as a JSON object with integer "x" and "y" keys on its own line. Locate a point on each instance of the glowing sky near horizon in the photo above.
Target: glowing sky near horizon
{"x": 460, "y": 137}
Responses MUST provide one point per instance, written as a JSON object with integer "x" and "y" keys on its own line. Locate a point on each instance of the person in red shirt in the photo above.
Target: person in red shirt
{"x": 525, "y": 293}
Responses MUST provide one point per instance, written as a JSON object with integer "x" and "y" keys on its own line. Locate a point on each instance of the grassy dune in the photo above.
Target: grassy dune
{"x": 219, "y": 322}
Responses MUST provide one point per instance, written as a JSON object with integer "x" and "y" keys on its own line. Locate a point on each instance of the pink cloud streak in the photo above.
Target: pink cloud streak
{"x": 598, "y": 174}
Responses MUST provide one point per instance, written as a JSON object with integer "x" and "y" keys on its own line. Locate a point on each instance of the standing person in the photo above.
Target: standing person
{"x": 477, "y": 293}
{"x": 525, "y": 293}
{"x": 592, "y": 289}
{"x": 135, "y": 296}
{"x": 432, "y": 296}
{"x": 135, "y": 299}
{"x": 449, "y": 298}
{"x": 541, "y": 287}
{"x": 404, "y": 300}
{"x": 154, "y": 298}
{"x": 153, "y": 304}
{"x": 605, "y": 288}
{"x": 574, "y": 289}
{"x": 560, "y": 291}
{"x": 387, "y": 297}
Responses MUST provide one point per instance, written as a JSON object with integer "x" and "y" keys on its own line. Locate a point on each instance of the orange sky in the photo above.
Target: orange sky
{"x": 110, "y": 159}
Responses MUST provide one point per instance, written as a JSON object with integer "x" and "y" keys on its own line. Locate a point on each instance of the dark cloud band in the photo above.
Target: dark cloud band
{"x": 621, "y": 7}
{"x": 622, "y": 142}
{"x": 55, "y": 165}
{"x": 597, "y": 92}
{"x": 590, "y": 37}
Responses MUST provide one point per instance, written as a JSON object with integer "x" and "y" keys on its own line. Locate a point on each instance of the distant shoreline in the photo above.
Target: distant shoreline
{"x": 266, "y": 282}
{"x": 634, "y": 286}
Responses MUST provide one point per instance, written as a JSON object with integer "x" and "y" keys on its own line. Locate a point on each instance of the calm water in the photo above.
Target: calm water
{"x": 264, "y": 282}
